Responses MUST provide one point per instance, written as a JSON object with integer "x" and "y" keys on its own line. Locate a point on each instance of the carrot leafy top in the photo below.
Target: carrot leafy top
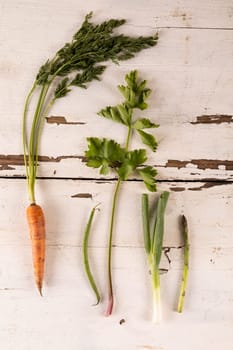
{"x": 76, "y": 64}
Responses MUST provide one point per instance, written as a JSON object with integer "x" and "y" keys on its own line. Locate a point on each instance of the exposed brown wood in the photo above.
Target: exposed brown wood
{"x": 173, "y": 163}
{"x": 82, "y": 195}
{"x": 207, "y": 185}
{"x": 61, "y": 120}
{"x": 6, "y": 167}
{"x": 202, "y": 164}
{"x": 7, "y": 161}
{"x": 177, "y": 189}
{"x": 213, "y": 119}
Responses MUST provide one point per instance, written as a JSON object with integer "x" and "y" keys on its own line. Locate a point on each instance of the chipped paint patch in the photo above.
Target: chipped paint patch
{"x": 208, "y": 185}
{"x": 82, "y": 195}
{"x": 213, "y": 119}
{"x": 177, "y": 189}
{"x": 6, "y": 167}
{"x": 7, "y": 161}
{"x": 61, "y": 120}
{"x": 173, "y": 163}
{"x": 202, "y": 164}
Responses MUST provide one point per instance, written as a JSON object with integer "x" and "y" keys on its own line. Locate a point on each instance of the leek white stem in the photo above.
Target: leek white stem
{"x": 157, "y": 311}
{"x": 155, "y": 278}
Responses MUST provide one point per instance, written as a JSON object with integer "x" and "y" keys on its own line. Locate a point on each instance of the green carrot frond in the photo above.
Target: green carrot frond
{"x": 77, "y": 63}
{"x": 62, "y": 88}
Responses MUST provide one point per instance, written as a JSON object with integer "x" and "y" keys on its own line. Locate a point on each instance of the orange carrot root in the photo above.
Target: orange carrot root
{"x": 36, "y": 222}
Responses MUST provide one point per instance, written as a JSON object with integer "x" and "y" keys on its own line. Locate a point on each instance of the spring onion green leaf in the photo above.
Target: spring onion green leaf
{"x": 153, "y": 242}
{"x": 146, "y": 222}
{"x": 157, "y": 234}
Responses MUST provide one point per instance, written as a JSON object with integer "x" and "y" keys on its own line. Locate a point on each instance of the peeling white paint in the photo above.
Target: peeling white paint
{"x": 190, "y": 72}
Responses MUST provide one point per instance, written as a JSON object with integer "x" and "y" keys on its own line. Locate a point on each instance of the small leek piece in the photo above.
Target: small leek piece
{"x": 86, "y": 258}
{"x": 186, "y": 264}
{"x": 153, "y": 242}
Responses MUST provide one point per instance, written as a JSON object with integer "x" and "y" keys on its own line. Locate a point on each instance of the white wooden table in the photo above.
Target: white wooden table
{"x": 190, "y": 72}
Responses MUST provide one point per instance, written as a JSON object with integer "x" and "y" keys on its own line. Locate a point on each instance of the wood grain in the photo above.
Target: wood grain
{"x": 67, "y": 296}
{"x": 190, "y": 72}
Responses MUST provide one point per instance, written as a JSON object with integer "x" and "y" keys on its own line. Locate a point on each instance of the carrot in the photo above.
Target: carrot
{"x": 36, "y": 222}
{"x": 77, "y": 63}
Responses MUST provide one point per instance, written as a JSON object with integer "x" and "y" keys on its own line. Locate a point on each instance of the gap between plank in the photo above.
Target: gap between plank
{"x": 194, "y": 28}
{"x": 219, "y": 181}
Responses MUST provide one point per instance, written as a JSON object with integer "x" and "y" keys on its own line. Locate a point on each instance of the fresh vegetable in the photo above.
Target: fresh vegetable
{"x": 86, "y": 257}
{"x": 109, "y": 155}
{"x": 77, "y": 63}
{"x": 186, "y": 264}
{"x": 153, "y": 242}
{"x": 36, "y": 223}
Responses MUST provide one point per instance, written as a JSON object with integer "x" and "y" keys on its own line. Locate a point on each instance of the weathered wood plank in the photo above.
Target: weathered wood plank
{"x": 186, "y": 151}
{"x": 208, "y": 209}
{"x": 67, "y": 297}
{"x": 184, "y": 13}
{"x": 191, "y": 72}
{"x": 73, "y": 318}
